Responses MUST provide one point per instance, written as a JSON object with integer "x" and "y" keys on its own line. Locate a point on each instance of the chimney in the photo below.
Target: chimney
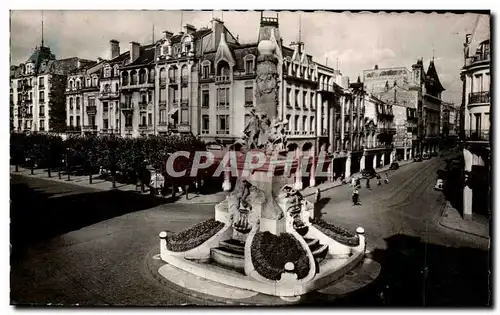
{"x": 376, "y": 67}
{"x": 115, "y": 48}
{"x": 168, "y": 35}
{"x": 134, "y": 51}
{"x": 217, "y": 28}
{"x": 189, "y": 29}
{"x": 99, "y": 59}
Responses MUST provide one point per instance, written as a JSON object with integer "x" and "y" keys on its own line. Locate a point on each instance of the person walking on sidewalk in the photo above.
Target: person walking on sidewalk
{"x": 386, "y": 180}
{"x": 379, "y": 180}
{"x": 355, "y": 197}
{"x": 368, "y": 182}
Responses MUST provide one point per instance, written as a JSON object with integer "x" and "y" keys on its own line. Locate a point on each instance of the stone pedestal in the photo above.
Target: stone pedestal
{"x": 467, "y": 203}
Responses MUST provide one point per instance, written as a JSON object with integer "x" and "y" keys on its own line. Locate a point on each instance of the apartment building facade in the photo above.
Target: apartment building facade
{"x": 476, "y": 104}
{"x": 37, "y": 91}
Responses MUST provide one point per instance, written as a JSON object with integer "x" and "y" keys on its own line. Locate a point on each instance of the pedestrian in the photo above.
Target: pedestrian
{"x": 379, "y": 180}
{"x": 317, "y": 195}
{"x": 368, "y": 182}
{"x": 355, "y": 197}
{"x": 386, "y": 180}
{"x": 358, "y": 182}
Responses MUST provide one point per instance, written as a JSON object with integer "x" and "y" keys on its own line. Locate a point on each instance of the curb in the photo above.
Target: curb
{"x": 440, "y": 222}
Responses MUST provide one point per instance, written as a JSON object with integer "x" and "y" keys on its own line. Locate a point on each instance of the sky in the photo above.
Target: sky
{"x": 356, "y": 41}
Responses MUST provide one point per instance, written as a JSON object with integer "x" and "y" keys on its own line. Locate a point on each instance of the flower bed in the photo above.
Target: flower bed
{"x": 194, "y": 236}
{"x": 270, "y": 253}
{"x": 339, "y": 234}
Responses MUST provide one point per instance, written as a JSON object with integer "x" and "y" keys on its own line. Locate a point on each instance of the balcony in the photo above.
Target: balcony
{"x": 329, "y": 88}
{"x": 91, "y": 110}
{"x": 88, "y": 128}
{"x": 222, "y": 79}
{"x": 127, "y": 106}
{"x": 108, "y": 95}
{"x": 73, "y": 129}
{"x": 389, "y": 131}
{"x": 477, "y": 59}
{"x": 477, "y": 135}
{"x": 479, "y": 98}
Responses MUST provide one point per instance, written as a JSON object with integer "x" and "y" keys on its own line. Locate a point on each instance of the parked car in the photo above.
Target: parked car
{"x": 394, "y": 166}
{"x": 417, "y": 158}
{"x": 426, "y": 156}
{"x": 439, "y": 184}
{"x": 369, "y": 173}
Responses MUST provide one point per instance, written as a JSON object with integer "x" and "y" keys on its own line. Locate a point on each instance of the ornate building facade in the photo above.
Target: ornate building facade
{"x": 37, "y": 91}
{"x": 476, "y": 105}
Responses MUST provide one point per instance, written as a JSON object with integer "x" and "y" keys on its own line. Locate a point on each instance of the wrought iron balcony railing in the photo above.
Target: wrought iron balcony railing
{"x": 477, "y": 135}
{"x": 479, "y": 97}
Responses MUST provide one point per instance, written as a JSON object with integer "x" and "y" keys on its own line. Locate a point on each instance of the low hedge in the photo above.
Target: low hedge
{"x": 270, "y": 253}
{"x": 194, "y": 236}
{"x": 339, "y": 234}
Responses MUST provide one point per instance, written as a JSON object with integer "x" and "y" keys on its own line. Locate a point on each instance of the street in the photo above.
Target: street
{"x": 74, "y": 244}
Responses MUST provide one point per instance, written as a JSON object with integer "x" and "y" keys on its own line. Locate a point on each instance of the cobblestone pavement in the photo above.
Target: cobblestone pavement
{"x": 75, "y": 244}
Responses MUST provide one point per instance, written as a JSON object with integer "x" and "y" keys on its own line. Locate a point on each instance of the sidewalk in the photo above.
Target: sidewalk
{"x": 102, "y": 184}
{"x": 478, "y": 225}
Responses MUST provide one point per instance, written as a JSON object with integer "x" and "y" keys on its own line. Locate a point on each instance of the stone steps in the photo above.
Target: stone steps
{"x": 230, "y": 254}
{"x": 319, "y": 251}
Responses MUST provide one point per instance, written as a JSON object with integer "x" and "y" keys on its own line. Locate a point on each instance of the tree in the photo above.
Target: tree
{"x": 57, "y": 103}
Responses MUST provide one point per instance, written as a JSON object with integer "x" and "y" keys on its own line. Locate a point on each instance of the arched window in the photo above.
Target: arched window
{"x": 172, "y": 73}
{"x": 133, "y": 77}
{"x": 87, "y": 82}
{"x": 71, "y": 84}
{"x": 77, "y": 84}
{"x": 142, "y": 76}
{"x": 151, "y": 77}
{"x": 124, "y": 78}
{"x": 94, "y": 81}
{"x": 71, "y": 103}
{"x": 222, "y": 68}
{"x": 184, "y": 74}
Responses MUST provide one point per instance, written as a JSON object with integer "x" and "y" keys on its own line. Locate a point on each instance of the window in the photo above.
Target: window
{"x": 223, "y": 98}
{"x": 288, "y": 96}
{"x": 248, "y": 96}
{"x": 88, "y": 82}
{"x": 249, "y": 66}
{"x": 184, "y": 116}
{"x": 172, "y": 74}
{"x": 107, "y": 88}
{"x": 143, "y": 120}
{"x": 142, "y": 76}
{"x": 41, "y": 82}
{"x": 288, "y": 117}
{"x": 71, "y": 121}
{"x": 95, "y": 82}
{"x": 92, "y": 120}
{"x": 116, "y": 87}
{"x": 205, "y": 98}
{"x": 296, "y": 125}
{"x": 304, "y": 123}
{"x": 116, "y": 71}
{"x": 297, "y": 97}
{"x": 163, "y": 95}
{"x": 151, "y": 77}
{"x": 78, "y": 84}
{"x": 91, "y": 101}
{"x": 223, "y": 124}
{"x": 41, "y": 96}
{"x": 117, "y": 123}
{"x": 205, "y": 124}
{"x": 42, "y": 111}
{"x": 128, "y": 120}
{"x": 31, "y": 96}
{"x": 304, "y": 100}
{"x": 163, "y": 115}
{"x": 311, "y": 104}
{"x": 78, "y": 103}
{"x": 105, "y": 106}
{"x": 42, "y": 125}
{"x": 133, "y": 77}
{"x": 150, "y": 119}
{"x": 107, "y": 72}
{"x": 105, "y": 124}
{"x": 70, "y": 104}
{"x": 311, "y": 128}
{"x": 206, "y": 71}
{"x": 478, "y": 122}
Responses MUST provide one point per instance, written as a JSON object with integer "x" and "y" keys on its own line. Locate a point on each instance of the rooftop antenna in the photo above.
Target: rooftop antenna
{"x": 182, "y": 16}
{"x": 153, "y": 33}
{"x": 42, "y": 28}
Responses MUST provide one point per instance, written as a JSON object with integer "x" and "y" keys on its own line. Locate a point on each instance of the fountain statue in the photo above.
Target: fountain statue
{"x": 264, "y": 237}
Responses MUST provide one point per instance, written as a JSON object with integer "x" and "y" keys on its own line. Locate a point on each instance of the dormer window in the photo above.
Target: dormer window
{"x": 249, "y": 64}
{"x": 205, "y": 70}
{"x": 116, "y": 70}
{"x": 187, "y": 45}
{"x": 107, "y": 72}
{"x": 71, "y": 84}
{"x": 94, "y": 81}
{"x": 88, "y": 82}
